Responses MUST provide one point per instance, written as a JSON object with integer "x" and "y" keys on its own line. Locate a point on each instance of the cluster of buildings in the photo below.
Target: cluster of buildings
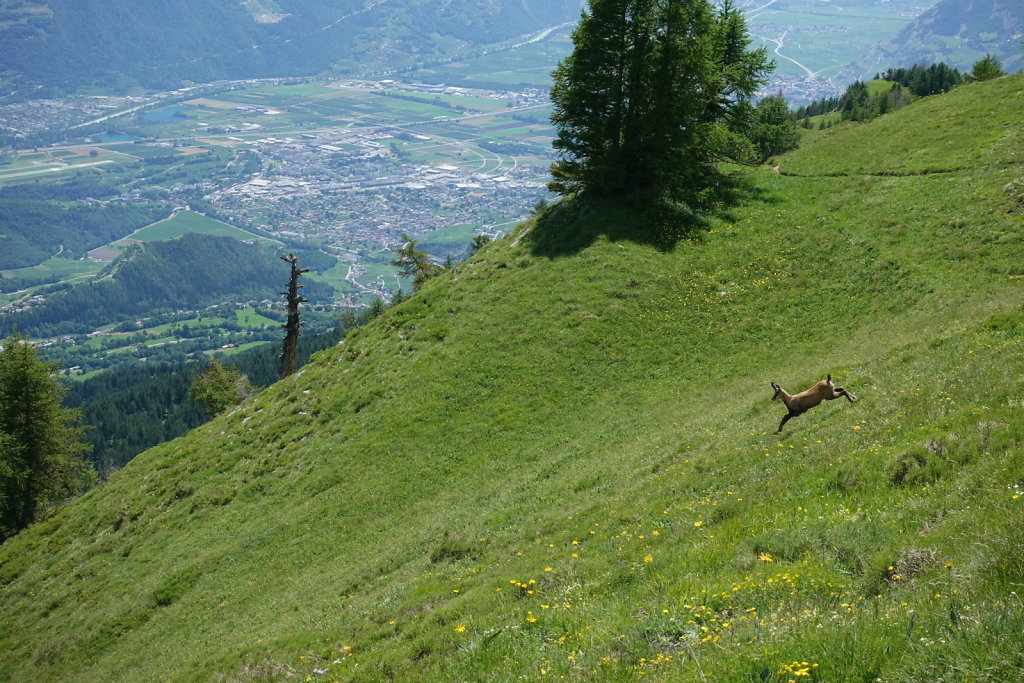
{"x": 801, "y": 90}
{"x": 353, "y": 188}
{"x": 20, "y": 305}
{"x": 31, "y": 116}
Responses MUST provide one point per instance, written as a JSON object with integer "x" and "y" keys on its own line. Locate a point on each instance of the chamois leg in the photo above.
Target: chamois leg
{"x": 785, "y": 420}
{"x": 843, "y": 392}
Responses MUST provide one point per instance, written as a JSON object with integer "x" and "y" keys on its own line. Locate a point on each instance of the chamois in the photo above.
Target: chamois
{"x": 799, "y": 404}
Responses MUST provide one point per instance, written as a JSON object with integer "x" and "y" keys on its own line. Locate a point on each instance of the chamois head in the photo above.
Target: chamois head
{"x": 778, "y": 391}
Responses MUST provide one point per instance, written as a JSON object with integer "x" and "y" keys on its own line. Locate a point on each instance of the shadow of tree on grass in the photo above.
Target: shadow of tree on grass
{"x": 574, "y": 224}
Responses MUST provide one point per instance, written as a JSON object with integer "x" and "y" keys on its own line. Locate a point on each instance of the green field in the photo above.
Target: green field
{"x": 241, "y": 348}
{"x": 529, "y": 66}
{"x": 824, "y": 38}
{"x": 458, "y": 236}
{"x": 61, "y": 268}
{"x": 191, "y": 222}
{"x": 250, "y": 318}
{"x": 31, "y": 167}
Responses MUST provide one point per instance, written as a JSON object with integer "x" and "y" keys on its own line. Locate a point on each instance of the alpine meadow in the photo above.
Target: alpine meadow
{"x": 557, "y": 458}
{"x": 598, "y": 445}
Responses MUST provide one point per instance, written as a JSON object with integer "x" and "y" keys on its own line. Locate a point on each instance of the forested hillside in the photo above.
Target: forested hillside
{"x": 133, "y": 407}
{"x": 163, "y": 44}
{"x": 185, "y": 273}
{"x": 559, "y": 459}
{"x": 32, "y": 230}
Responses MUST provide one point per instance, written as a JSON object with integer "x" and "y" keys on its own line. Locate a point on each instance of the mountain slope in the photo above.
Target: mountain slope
{"x": 121, "y": 44}
{"x": 559, "y": 459}
{"x": 31, "y": 231}
{"x": 957, "y": 32}
{"x": 189, "y": 272}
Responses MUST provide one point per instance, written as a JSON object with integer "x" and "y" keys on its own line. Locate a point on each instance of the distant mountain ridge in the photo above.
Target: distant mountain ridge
{"x": 958, "y": 32}
{"x": 161, "y": 44}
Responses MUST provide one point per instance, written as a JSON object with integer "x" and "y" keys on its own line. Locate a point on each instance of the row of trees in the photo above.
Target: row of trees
{"x": 861, "y": 103}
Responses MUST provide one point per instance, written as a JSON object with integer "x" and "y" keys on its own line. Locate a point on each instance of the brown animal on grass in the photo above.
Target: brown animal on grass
{"x": 799, "y": 404}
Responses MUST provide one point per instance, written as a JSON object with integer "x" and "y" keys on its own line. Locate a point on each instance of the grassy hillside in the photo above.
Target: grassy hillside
{"x": 559, "y": 460}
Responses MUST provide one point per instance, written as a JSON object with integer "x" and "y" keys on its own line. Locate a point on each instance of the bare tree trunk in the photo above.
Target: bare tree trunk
{"x": 291, "y": 337}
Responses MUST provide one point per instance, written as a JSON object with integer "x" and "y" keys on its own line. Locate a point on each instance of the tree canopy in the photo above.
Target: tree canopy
{"x": 654, "y": 93}
{"x": 414, "y": 263}
{"x": 986, "y": 68}
{"x": 773, "y": 130}
{"x": 40, "y": 448}
{"x": 219, "y": 387}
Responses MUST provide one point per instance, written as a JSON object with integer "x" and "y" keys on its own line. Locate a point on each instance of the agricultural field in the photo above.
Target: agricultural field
{"x": 55, "y": 269}
{"x": 47, "y": 164}
{"x": 227, "y": 329}
{"x": 528, "y": 66}
{"x": 810, "y": 39}
{"x": 189, "y": 221}
{"x": 172, "y": 227}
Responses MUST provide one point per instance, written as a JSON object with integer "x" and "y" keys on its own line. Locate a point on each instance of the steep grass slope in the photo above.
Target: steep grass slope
{"x": 559, "y": 459}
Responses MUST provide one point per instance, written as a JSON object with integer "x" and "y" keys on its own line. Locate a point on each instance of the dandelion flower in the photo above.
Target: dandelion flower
{"x": 766, "y": 557}
{"x": 698, "y": 524}
{"x": 461, "y": 628}
{"x": 648, "y": 558}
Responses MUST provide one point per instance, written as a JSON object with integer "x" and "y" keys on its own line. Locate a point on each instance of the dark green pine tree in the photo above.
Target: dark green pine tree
{"x": 774, "y": 129}
{"x": 986, "y": 68}
{"x": 593, "y": 96}
{"x": 41, "y": 451}
{"x": 219, "y": 387}
{"x": 292, "y": 325}
{"x": 654, "y": 94}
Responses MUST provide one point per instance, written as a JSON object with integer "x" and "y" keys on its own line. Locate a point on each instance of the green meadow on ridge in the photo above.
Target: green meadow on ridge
{"x": 558, "y": 459}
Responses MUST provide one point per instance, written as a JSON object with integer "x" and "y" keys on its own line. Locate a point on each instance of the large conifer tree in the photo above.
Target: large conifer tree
{"x": 40, "y": 449}
{"x": 654, "y": 93}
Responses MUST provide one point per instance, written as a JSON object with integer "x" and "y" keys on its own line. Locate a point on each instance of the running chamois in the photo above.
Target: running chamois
{"x": 799, "y": 404}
